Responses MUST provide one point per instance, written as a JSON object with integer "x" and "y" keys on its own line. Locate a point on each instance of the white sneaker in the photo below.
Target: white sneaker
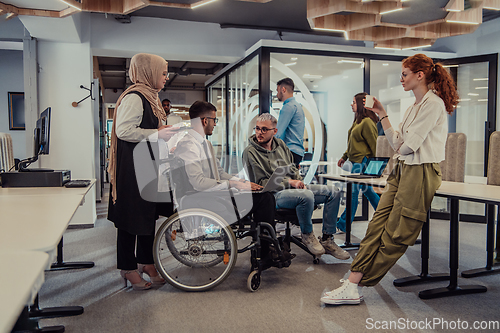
{"x": 333, "y": 249}
{"x": 313, "y": 244}
{"x": 346, "y": 294}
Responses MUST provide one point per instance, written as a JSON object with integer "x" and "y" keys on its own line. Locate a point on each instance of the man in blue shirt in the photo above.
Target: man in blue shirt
{"x": 291, "y": 121}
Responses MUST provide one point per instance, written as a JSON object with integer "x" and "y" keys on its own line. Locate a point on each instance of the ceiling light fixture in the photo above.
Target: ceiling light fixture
{"x": 462, "y": 22}
{"x": 291, "y": 64}
{"x": 480, "y": 79}
{"x": 293, "y": 58}
{"x": 350, "y": 61}
{"x": 71, "y": 4}
{"x": 481, "y": 87}
{"x": 491, "y": 8}
{"x": 483, "y": 100}
{"x": 385, "y": 64}
{"x": 448, "y": 66}
{"x": 312, "y": 76}
{"x": 387, "y": 48}
{"x": 473, "y": 94}
{"x": 463, "y": 99}
{"x": 416, "y": 47}
{"x": 201, "y": 3}
{"x": 334, "y": 30}
{"x": 391, "y": 11}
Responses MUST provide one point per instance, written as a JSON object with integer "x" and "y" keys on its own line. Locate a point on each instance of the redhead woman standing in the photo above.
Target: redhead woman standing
{"x": 361, "y": 144}
{"x": 420, "y": 144}
{"x": 138, "y": 116}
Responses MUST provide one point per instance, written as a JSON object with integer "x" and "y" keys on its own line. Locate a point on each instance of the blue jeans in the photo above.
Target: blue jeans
{"x": 304, "y": 200}
{"x": 367, "y": 191}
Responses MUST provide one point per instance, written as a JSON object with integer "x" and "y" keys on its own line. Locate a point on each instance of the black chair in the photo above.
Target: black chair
{"x": 289, "y": 216}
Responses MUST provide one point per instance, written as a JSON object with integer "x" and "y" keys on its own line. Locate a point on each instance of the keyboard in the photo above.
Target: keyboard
{"x": 78, "y": 183}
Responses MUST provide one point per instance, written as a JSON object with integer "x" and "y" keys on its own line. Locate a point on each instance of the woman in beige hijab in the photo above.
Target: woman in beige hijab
{"x": 138, "y": 116}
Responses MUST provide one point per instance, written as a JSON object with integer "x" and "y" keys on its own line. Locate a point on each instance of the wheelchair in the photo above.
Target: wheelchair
{"x": 196, "y": 249}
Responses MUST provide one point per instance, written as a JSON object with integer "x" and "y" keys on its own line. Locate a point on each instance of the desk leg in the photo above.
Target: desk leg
{"x": 25, "y": 324}
{"x": 60, "y": 264}
{"x": 348, "y": 209}
{"x": 424, "y": 275}
{"x": 490, "y": 247}
{"x": 60, "y": 311}
{"x": 453, "y": 288}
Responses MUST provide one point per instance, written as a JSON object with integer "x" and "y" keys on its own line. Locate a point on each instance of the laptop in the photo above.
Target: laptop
{"x": 373, "y": 168}
{"x": 274, "y": 182}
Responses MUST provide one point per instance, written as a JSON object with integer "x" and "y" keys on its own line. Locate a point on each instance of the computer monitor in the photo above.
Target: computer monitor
{"x": 42, "y": 133}
{"x": 41, "y": 140}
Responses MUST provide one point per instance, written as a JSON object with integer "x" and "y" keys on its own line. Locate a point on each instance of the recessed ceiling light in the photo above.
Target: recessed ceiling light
{"x": 315, "y": 86}
{"x": 293, "y": 58}
{"x": 201, "y": 3}
{"x": 385, "y": 64}
{"x": 350, "y": 61}
{"x": 391, "y": 11}
{"x": 472, "y": 94}
{"x": 312, "y": 76}
{"x": 481, "y": 87}
{"x": 480, "y": 79}
{"x": 483, "y": 100}
{"x": 291, "y": 64}
{"x": 462, "y": 22}
{"x": 463, "y": 99}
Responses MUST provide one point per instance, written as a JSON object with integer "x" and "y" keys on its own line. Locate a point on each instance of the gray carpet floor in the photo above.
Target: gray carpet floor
{"x": 287, "y": 301}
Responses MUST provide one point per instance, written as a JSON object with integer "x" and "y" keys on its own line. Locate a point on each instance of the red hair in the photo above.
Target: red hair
{"x": 443, "y": 83}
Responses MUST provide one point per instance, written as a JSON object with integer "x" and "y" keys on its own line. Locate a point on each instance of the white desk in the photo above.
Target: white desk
{"x": 35, "y": 222}
{"x": 19, "y": 289}
{"x": 35, "y": 219}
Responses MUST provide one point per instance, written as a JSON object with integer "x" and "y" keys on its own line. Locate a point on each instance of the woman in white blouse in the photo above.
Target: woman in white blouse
{"x": 420, "y": 145}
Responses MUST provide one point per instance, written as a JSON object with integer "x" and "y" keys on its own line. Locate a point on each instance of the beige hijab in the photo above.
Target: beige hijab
{"x": 145, "y": 71}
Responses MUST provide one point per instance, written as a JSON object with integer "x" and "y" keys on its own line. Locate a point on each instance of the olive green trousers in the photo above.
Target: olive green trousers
{"x": 397, "y": 222}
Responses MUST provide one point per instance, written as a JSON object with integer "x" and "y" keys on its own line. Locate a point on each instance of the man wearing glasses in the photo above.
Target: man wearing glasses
{"x": 263, "y": 155}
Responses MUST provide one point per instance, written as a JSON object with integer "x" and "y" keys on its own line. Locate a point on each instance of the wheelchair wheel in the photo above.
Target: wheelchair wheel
{"x": 195, "y": 250}
{"x": 253, "y": 281}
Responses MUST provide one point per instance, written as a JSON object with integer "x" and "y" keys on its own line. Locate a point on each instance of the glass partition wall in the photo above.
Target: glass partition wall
{"x": 325, "y": 84}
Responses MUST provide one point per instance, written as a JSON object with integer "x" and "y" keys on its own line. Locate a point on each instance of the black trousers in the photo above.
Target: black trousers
{"x": 129, "y": 252}
{"x": 297, "y": 159}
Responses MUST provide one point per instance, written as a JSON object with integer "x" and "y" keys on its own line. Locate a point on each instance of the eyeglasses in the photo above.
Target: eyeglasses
{"x": 263, "y": 129}
{"x": 404, "y": 75}
{"x": 168, "y": 74}
{"x": 216, "y": 120}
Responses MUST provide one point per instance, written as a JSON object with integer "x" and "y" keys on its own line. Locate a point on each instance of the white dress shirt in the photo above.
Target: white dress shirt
{"x": 129, "y": 118}
{"x": 421, "y": 137}
{"x": 190, "y": 150}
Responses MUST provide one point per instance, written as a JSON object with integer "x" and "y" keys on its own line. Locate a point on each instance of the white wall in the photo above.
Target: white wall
{"x": 12, "y": 80}
{"x": 63, "y": 68}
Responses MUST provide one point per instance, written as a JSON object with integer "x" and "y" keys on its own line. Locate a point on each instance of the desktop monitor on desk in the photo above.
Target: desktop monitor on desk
{"x": 41, "y": 140}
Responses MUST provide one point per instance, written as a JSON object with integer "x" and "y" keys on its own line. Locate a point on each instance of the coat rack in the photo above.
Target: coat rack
{"x": 75, "y": 104}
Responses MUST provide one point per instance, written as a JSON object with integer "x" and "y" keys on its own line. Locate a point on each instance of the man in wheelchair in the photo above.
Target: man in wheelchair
{"x": 263, "y": 155}
{"x": 209, "y": 187}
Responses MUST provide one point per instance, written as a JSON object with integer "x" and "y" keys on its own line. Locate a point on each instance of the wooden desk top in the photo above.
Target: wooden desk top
{"x": 19, "y": 289}
{"x": 35, "y": 222}
{"x": 378, "y": 182}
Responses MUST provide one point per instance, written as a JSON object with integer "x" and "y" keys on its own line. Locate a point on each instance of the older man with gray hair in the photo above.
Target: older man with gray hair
{"x": 263, "y": 155}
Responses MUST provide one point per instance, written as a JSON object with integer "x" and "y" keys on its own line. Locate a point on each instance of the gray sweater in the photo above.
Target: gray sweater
{"x": 260, "y": 163}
